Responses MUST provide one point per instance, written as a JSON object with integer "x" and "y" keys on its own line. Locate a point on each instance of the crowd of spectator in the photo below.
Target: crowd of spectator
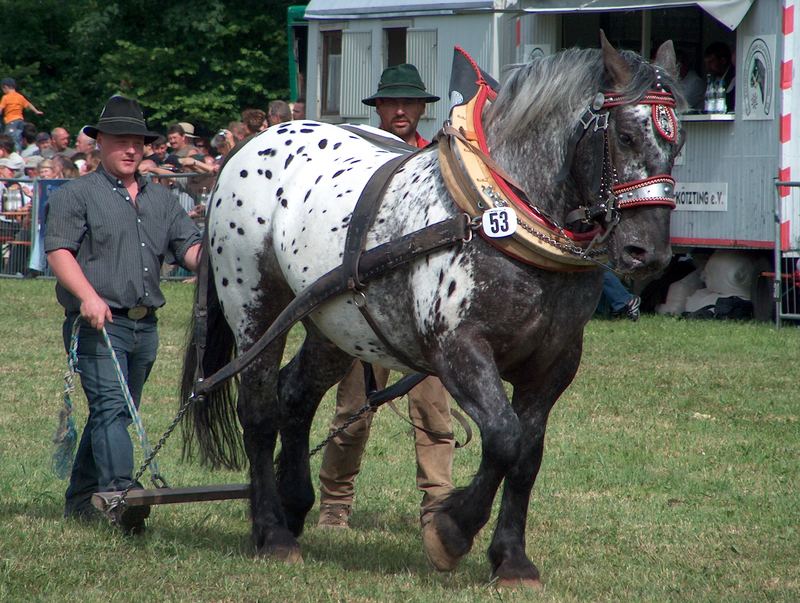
{"x": 182, "y": 159}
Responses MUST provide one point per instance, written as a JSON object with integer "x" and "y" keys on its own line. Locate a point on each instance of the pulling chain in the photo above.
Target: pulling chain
{"x": 117, "y": 505}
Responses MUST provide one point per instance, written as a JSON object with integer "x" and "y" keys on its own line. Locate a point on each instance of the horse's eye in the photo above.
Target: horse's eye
{"x": 625, "y": 139}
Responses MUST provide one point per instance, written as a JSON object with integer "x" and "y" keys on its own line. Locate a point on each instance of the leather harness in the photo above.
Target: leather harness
{"x": 358, "y": 267}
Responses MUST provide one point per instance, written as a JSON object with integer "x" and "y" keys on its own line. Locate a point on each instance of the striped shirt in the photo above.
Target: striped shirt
{"x": 118, "y": 245}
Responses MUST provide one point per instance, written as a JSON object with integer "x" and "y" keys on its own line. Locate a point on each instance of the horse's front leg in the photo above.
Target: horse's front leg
{"x": 469, "y": 373}
{"x": 536, "y": 389}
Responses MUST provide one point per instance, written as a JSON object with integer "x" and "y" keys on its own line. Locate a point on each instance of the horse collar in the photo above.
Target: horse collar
{"x": 478, "y": 185}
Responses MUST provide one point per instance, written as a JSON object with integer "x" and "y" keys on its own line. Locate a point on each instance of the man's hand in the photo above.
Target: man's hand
{"x": 66, "y": 269}
{"x": 96, "y": 312}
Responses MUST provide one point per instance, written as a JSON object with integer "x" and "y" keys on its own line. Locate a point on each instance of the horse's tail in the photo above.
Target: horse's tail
{"x": 211, "y": 423}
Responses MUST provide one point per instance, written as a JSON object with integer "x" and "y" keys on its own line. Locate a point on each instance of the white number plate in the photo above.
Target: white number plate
{"x": 499, "y": 222}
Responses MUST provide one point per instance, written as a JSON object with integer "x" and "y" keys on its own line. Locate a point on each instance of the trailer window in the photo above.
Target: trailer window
{"x": 331, "y": 81}
{"x": 395, "y": 45}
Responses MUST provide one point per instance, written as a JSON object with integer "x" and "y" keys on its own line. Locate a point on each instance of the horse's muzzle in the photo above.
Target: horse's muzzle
{"x": 640, "y": 261}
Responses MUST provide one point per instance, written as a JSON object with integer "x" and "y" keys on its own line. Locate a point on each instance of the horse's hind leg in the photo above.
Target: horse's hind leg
{"x": 302, "y": 384}
{"x": 259, "y": 415}
{"x": 535, "y": 393}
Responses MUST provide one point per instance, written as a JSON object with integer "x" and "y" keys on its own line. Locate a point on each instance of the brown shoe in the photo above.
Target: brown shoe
{"x": 333, "y": 515}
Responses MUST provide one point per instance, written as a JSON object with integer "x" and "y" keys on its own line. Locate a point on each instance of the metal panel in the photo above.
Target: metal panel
{"x": 422, "y": 52}
{"x": 744, "y": 154}
{"x": 716, "y": 151}
{"x": 474, "y": 34}
{"x": 728, "y": 12}
{"x": 356, "y": 73}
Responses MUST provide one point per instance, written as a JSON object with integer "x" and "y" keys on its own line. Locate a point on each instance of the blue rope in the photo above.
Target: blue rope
{"x": 147, "y": 450}
{"x": 66, "y": 434}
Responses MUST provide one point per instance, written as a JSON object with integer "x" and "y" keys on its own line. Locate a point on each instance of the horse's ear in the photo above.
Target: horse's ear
{"x": 619, "y": 74}
{"x": 665, "y": 58}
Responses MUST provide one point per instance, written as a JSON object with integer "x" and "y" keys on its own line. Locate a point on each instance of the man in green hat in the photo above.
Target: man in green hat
{"x": 400, "y": 102}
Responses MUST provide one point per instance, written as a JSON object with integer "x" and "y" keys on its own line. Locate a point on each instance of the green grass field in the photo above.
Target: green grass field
{"x": 670, "y": 474}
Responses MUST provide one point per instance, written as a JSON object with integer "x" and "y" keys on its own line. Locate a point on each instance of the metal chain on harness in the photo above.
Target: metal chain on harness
{"x": 118, "y": 503}
{"x": 350, "y": 420}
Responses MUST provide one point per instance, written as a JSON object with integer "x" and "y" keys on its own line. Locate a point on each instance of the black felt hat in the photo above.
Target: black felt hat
{"x": 121, "y": 116}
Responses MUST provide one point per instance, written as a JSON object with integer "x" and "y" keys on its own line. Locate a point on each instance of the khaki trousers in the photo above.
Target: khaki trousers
{"x": 428, "y": 407}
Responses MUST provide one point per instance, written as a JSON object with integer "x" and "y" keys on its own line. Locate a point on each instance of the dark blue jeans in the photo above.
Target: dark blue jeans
{"x": 104, "y": 460}
{"x": 614, "y": 296}
{"x": 14, "y": 130}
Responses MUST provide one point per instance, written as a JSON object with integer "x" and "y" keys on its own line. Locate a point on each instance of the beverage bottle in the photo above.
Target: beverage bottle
{"x": 13, "y": 199}
{"x": 708, "y": 102}
{"x": 722, "y": 104}
{"x": 204, "y": 196}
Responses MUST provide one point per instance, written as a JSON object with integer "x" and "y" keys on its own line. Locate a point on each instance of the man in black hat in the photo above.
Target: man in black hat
{"x": 106, "y": 234}
{"x": 400, "y": 102}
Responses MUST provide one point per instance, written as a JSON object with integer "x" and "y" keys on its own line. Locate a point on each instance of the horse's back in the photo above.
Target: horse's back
{"x": 284, "y": 200}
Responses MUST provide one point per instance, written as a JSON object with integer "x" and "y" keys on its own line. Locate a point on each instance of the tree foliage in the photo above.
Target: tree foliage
{"x": 183, "y": 60}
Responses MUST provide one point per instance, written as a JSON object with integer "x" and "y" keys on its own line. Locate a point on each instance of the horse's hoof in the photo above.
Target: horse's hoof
{"x": 533, "y": 583}
{"x": 287, "y": 554}
{"x": 516, "y": 574}
{"x": 435, "y": 550}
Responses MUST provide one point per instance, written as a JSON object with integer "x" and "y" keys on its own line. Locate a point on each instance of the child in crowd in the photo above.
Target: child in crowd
{"x": 12, "y": 104}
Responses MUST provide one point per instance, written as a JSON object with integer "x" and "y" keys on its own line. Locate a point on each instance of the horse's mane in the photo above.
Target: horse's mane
{"x": 556, "y": 89}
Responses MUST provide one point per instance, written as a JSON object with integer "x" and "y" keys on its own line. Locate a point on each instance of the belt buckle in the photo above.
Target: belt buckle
{"x": 137, "y": 312}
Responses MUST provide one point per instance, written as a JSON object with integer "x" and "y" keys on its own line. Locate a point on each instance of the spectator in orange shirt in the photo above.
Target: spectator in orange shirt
{"x": 12, "y": 104}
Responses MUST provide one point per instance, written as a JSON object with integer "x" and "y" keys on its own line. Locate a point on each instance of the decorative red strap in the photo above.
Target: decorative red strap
{"x": 656, "y": 190}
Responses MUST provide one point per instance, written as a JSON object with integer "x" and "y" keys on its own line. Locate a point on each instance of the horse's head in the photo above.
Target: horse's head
{"x": 604, "y": 122}
{"x": 640, "y": 143}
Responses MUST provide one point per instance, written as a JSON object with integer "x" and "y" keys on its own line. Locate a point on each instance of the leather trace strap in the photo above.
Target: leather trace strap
{"x": 361, "y": 221}
{"x": 387, "y": 143}
{"x": 363, "y": 216}
{"x": 376, "y": 398}
{"x": 461, "y": 419}
{"x": 373, "y": 263}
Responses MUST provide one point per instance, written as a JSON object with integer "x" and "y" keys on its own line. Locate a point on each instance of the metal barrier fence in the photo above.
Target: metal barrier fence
{"x": 786, "y": 275}
{"x": 20, "y": 224}
{"x": 22, "y": 228}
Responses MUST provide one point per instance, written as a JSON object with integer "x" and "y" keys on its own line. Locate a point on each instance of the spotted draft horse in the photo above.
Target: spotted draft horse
{"x": 279, "y": 216}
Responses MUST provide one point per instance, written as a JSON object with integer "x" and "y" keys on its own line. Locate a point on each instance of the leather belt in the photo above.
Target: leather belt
{"x": 135, "y": 313}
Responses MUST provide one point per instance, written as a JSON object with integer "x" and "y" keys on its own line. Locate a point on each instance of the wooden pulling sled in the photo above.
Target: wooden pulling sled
{"x": 106, "y": 501}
